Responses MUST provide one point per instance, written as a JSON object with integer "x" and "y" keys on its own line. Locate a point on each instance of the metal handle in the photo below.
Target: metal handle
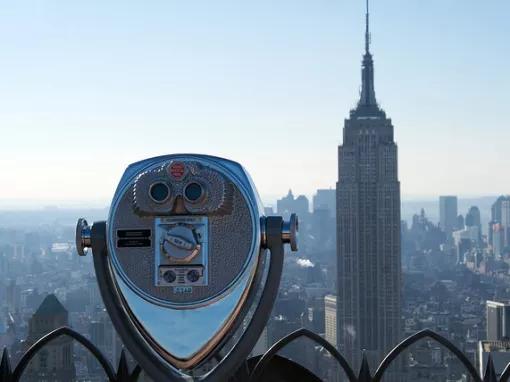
{"x": 83, "y": 241}
{"x": 289, "y": 230}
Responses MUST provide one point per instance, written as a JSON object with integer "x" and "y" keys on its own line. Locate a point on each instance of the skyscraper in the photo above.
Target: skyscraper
{"x": 330, "y": 324}
{"x": 473, "y": 217}
{"x": 368, "y": 228}
{"x": 448, "y": 214}
{"x": 496, "y": 225}
{"x": 498, "y": 321}
{"x": 55, "y": 361}
{"x": 326, "y": 200}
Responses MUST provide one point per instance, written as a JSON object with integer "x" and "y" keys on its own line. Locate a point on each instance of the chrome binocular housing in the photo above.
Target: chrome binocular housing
{"x": 183, "y": 267}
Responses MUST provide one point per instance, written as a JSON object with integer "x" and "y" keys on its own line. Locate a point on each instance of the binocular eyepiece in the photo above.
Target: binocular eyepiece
{"x": 182, "y": 264}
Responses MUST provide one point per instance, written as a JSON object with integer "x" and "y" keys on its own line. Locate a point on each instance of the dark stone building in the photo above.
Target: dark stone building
{"x": 368, "y": 229}
{"x": 55, "y": 361}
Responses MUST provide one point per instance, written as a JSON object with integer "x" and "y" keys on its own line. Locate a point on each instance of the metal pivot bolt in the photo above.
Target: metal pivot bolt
{"x": 289, "y": 232}
{"x": 83, "y": 241}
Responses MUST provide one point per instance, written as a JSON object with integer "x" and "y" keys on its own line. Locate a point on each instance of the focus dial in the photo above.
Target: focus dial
{"x": 180, "y": 244}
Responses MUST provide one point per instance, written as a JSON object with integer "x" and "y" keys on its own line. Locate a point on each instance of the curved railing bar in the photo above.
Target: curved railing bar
{"x": 266, "y": 358}
{"x": 426, "y": 333}
{"x": 63, "y": 331}
{"x": 506, "y": 374}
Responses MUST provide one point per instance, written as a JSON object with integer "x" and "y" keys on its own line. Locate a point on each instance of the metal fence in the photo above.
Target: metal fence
{"x": 262, "y": 365}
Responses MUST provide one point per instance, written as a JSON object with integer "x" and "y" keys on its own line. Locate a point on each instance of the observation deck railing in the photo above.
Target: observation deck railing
{"x": 257, "y": 369}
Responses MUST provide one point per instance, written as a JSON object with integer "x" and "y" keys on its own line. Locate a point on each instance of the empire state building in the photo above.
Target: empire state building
{"x": 368, "y": 229}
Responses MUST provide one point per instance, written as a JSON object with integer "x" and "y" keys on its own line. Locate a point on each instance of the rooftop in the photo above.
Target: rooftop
{"x": 50, "y": 306}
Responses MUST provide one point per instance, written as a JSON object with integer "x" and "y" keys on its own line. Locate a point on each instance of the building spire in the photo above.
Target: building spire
{"x": 367, "y": 32}
{"x": 367, "y": 98}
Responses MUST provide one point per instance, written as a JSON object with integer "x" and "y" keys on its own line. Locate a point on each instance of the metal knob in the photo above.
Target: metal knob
{"x": 289, "y": 232}
{"x": 83, "y": 241}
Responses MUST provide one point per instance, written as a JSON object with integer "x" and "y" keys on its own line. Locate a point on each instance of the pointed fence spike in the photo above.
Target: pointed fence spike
{"x": 490, "y": 372}
{"x": 5, "y": 367}
{"x": 123, "y": 370}
{"x": 364, "y": 371}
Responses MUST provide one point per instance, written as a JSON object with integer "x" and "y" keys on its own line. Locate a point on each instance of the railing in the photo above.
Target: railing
{"x": 263, "y": 364}
{"x": 122, "y": 374}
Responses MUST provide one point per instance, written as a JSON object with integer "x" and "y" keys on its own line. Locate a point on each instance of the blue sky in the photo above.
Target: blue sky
{"x": 89, "y": 87}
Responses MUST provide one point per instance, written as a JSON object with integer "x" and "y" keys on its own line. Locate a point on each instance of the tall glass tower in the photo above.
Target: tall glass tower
{"x": 368, "y": 228}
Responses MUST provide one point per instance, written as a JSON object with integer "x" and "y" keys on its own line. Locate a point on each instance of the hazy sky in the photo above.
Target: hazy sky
{"x": 88, "y": 87}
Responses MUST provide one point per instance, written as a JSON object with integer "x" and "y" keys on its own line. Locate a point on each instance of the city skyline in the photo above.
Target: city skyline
{"x": 404, "y": 226}
{"x": 283, "y": 82}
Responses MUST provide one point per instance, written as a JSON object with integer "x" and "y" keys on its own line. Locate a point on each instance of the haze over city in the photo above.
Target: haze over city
{"x": 374, "y": 132}
{"x": 89, "y": 88}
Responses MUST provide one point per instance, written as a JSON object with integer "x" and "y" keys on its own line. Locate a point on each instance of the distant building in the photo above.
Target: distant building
{"x": 505, "y": 222}
{"x": 473, "y": 217}
{"x": 463, "y": 247}
{"x": 464, "y": 240}
{"x": 448, "y": 214}
{"x": 316, "y": 315}
{"x": 13, "y": 296}
{"x": 498, "y": 321}
{"x": 98, "y": 337}
{"x": 330, "y": 319}
{"x": 498, "y": 239}
{"x": 55, "y": 361}
{"x": 288, "y": 204}
{"x": 268, "y": 211}
{"x": 496, "y": 214}
{"x": 289, "y": 314}
{"x": 323, "y": 229}
{"x": 325, "y": 199}
{"x": 500, "y": 215}
{"x": 460, "y": 222}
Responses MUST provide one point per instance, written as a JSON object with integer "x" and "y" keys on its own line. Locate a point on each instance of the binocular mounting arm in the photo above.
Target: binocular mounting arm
{"x": 275, "y": 233}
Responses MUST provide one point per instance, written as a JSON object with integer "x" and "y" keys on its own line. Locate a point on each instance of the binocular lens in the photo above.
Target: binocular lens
{"x": 193, "y": 192}
{"x": 159, "y": 192}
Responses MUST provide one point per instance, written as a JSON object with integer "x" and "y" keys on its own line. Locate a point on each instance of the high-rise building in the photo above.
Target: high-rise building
{"x": 460, "y": 223}
{"x": 499, "y": 219}
{"x": 98, "y": 338}
{"x": 499, "y": 226}
{"x": 55, "y": 361}
{"x": 473, "y": 217}
{"x": 505, "y": 221}
{"x": 498, "y": 321}
{"x": 496, "y": 208}
{"x": 368, "y": 229}
{"x": 316, "y": 315}
{"x": 325, "y": 199}
{"x": 448, "y": 214}
{"x": 497, "y": 239}
{"x": 330, "y": 322}
{"x": 288, "y": 204}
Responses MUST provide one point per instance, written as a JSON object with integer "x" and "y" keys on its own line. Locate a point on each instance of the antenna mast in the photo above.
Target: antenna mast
{"x": 367, "y": 32}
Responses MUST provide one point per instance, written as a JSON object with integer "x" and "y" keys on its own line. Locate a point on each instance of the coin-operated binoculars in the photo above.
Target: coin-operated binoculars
{"x": 183, "y": 267}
